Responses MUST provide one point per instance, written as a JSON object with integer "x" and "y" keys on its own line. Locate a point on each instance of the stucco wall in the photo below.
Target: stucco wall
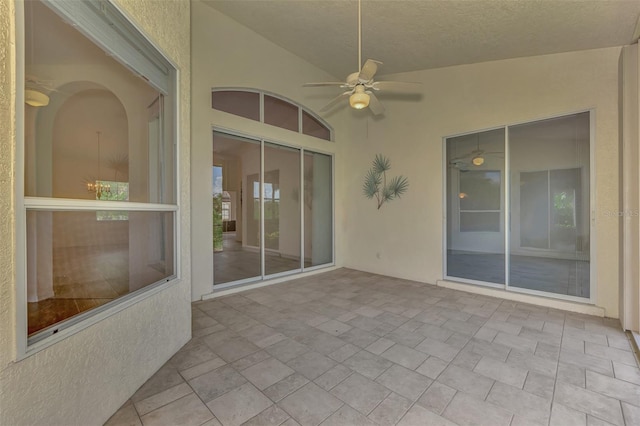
{"x": 227, "y": 54}
{"x": 404, "y": 238}
{"x": 84, "y": 378}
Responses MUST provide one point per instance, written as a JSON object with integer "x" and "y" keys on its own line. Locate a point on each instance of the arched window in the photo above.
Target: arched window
{"x": 270, "y": 109}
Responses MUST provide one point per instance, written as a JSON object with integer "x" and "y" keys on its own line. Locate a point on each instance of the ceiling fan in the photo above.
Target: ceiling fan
{"x": 360, "y": 85}
{"x": 475, "y": 157}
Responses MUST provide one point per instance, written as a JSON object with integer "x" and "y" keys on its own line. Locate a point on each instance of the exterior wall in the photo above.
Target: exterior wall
{"x": 227, "y": 54}
{"x": 404, "y": 238}
{"x": 84, "y": 378}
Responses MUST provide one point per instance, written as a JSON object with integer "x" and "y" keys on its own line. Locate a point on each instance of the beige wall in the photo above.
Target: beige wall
{"x": 226, "y": 54}
{"x": 404, "y": 237}
{"x": 84, "y": 378}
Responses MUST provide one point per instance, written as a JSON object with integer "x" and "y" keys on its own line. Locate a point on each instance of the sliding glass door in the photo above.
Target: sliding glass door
{"x": 518, "y": 207}
{"x": 272, "y": 209}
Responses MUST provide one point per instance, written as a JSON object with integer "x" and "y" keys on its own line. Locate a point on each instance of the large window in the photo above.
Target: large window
{"x": 99, "y": 163}
{"x": 283, "y": 214}
{"x": 518, "y": 207}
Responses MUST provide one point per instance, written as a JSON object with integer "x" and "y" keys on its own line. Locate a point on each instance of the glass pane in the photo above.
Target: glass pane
{"x": 244, "y": 104}
{"x": 318, "y": 209}
{"x": 313, "y": 127}
{"x": 76, "y": 262}
{"x": 280, "y": 113}
{"x": 89, "y": 119}
{"x": 475, "y": 207}
{"x": 236, "y": 239}
{"x": 281, "y": 208}
{"x": 550, "y": 205}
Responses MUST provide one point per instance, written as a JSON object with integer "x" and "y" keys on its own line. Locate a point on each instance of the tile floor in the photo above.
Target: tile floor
{"x": 352, "y": 348}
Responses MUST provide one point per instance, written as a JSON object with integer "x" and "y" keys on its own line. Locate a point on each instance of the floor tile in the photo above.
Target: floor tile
{"x": 380, "y": 346}
{"x": 163, "y": 398}
{"x": 522, "y": 403}
{"x": 272, "y": 416}
{"x": 310, "y": 405}
{"x": 166, "y": 377}
{"x": 405, "y": 337}
{"x": 405, "y": 356}
{"x": 360, "y": 393}
{"x": 203, "y": 368}
{"x": 501, "y": 372}
{"x": 619, "y": 389}
{"x": 627, "y": 373}
{"x": 266, "y": 373}
{"x": 488, "y": 349}
{"x": 389, "y": 411}
{"x": 438, "y": 349}
{"x": 125, "y": 416}
{"x": 193, "y": 353}
{"x": 286, "y": 350}
{"x": 631, "y": 414}
{"x": 239, "y": 405}
{"x": 532, "y": 363}
{"x": 344, "y": 352}
{"x": 285, "y": 387}
{"x": 573, "y": 374}
{"x": 347, "y": 416}
{"x": 367, "y": 364}
{"x": 404, "y": 382}
{"x": 614, "y": 354}
{"x": 466, "y": 381}
{"x": 434, "y": 332}
{"x": 540, "y": 385}
{"x": 516, "y": 342}
{"x": 248, "y": 361}
{"x": 334, "y": 327}
{"x": 358, "y": 337}
{"x": 311, "y": 364}
{"x": 565, "y": 416}
{"x": 590, "y": 362}
{"x": 589, "y": 402}
{"x": 188, "y": 410}
{"x": 418, "y": 415}
{"x": 437, "y": 397}
{"x": 467, "y": 410}
{"x": 217, "y": 382}
{"x": 332, "y": 377}
{"x": 432, "y": 367}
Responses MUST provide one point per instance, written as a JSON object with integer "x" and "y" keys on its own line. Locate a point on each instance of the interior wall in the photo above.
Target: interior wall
{"x": 404, "y": 238}
{"x": 84, "y": 378}
{"x": 227, "y": 54}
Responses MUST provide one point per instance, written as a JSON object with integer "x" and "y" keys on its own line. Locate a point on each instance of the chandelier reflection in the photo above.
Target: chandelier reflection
{"x": 97, "y": 186}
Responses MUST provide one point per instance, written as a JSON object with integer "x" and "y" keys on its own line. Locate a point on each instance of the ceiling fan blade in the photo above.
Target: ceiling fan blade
{"x": 335, "y": 101}
{"x": 326, "y": 83}
{"x": 374, "y": 104}
{"x": 395, "y": 86}
{"x": 368, "y": 70}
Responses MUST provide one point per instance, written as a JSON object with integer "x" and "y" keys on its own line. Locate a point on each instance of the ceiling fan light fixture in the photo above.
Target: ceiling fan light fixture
{"x": 359, "y": 99}
{"x": 478, "y": 160}
{"x": 35, "y": 98}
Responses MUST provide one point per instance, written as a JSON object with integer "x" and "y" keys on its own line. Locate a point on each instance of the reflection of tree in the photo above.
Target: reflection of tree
{"x": 564, "y": 208}
{"x": 217, "y": 222}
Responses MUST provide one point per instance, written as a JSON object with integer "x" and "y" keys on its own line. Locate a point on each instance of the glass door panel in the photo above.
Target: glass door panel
{"x": 281, "y": 192}
{"x": 550, "y": 216}
{"x": 318, "y": 209}
{"x": 475, "y": 207}
{"x": 236, "y": 208}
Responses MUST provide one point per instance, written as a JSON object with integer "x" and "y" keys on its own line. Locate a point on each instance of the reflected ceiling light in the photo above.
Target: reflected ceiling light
{"x": 359, "y": 99}
{"x": 462, "y": 195}
{"x": 478, "y": 160}
{"x": 35, "y": 98}
{"x": 99, "y": 187}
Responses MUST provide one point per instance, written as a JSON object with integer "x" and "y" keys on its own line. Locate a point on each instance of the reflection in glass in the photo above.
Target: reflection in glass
{"x": 318, "y": 209}
{"x": 475, "y": 207}
{"x": 281, "y": 208}
{"x": 236, "y": 212}
{"x": 550, "y": 205}
{"x": 280, "y": 113}
{"x": 76, "y": 262}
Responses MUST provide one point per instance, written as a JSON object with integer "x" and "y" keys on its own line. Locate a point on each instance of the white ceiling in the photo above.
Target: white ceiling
{"x": 421, "y": 34}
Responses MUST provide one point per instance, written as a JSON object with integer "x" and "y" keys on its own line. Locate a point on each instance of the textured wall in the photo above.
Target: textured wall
{"x": 83, "y": 379}
{"x": 404, "y": 238}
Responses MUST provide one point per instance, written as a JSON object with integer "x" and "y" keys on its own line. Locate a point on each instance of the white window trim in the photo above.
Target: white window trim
{"x": 22, "y": 348}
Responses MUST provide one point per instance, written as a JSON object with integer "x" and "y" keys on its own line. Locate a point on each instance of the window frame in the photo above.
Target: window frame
{"x": 26, "y": 346}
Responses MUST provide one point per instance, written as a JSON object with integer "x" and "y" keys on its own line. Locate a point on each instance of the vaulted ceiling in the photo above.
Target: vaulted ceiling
{"x": 422, "y": 34}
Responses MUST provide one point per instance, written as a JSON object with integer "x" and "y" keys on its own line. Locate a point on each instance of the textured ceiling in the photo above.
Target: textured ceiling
{"x": 423, "y": 34}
